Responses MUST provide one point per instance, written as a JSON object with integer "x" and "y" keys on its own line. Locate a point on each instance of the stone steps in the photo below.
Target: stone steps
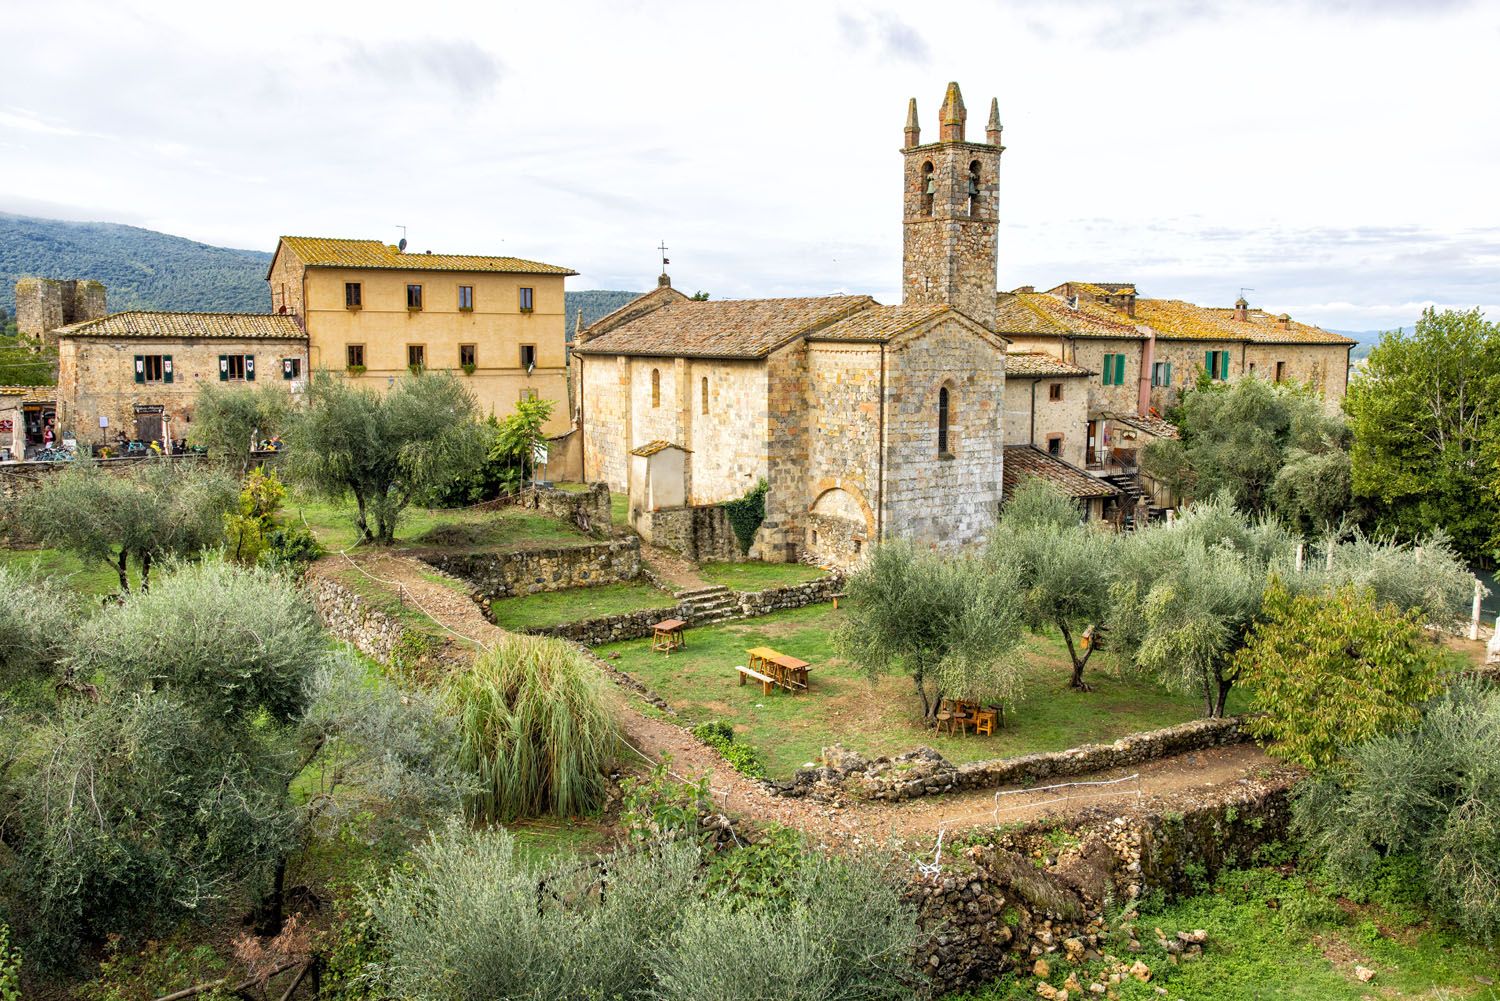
{"x": 709, "y": 605}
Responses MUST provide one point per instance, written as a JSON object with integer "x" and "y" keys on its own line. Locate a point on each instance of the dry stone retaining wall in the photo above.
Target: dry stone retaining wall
{"x": 373, "y": 633}
{"x": 924, "y": 772}
{"x": 589, "y": 510}
{"x": 504, "y": 575}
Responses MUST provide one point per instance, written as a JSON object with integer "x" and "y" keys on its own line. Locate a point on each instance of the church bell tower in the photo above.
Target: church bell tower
{"x": 951, "y": 212}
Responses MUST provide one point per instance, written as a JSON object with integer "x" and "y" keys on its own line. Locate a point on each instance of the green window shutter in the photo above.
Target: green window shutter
{"x": 223, "y": 368}
{"x": 166, "y": 368}
{"x": 1169, "y": 374}
{"x": 140, "y": 368}
{"x": 1224, "y": 364}
{"x": 250, "y": 368}
{"x": 1211, "y": 364}
{"x": 1119, "y": 370}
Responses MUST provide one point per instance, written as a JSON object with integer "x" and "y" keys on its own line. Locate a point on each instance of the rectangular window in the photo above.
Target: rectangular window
{"x": 528, "y": 356}
{"x": 1109, "y": 370}
{"x": 526, "y": 300}
{"x": 466, "y": 297}
{"x": 528, "y": 394}
{"x": 354, "y": 355}
{"x": 468, "y": 355}
{"x": 1217, "y": 363}
{"x": 353, "y": 295}
{"x": 413, "y": 297}
{"x": 1119, "y": 370}
{"x": 1054, "y": 392}
{"x": 291, "y": 368}
{"x": 1280, "y": 371}
{"x": 1161, "y": 373}
{"x": 416, "y": 356}
{"x": 233, "y": 368}
{"x": 1054, "y": 445}
{"x": 148, "y": 368}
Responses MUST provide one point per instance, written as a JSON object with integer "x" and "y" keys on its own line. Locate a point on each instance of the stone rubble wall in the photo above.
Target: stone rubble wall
{"x": 588, "y": 511}
{"x": 925, "y": 772}
{"x": 702, "y": 533}
{"x": 637, "y": 625}
{"x": 504, "y": 575}
{"x": 1006, "y": 905}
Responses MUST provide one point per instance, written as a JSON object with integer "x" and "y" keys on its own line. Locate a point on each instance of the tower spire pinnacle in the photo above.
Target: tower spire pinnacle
{"x": 953, "y": 115}
{"x": 992, "y": 130}
{"x": 913, "y": 130}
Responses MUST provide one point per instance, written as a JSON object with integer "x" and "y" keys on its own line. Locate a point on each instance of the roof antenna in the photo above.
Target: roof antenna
{"x": 1243, "y": 290}
{"x": 402, "y": 245}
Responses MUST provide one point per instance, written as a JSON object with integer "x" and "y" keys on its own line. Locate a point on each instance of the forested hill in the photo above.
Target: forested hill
{"x": 141, "y": 269}
{"x": 595, "y": 303}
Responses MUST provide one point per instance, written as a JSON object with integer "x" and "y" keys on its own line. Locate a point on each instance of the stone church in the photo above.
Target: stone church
{"x": 865, "y": 421}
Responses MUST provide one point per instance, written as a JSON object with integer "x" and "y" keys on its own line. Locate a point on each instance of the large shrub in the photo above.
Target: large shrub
{"x": 1430, "y": 793}
{"x": 535, "y": 729}
{"x": 36, "y": 624}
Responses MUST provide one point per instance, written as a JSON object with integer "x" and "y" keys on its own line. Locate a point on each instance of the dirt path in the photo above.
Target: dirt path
{"x": 1162, "y": 783}
{"x": 671, "y": 568}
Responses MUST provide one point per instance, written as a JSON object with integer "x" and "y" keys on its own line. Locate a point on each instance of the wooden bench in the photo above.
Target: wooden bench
{"x": 836, "y": 596}
{"x": 766, "y": 681}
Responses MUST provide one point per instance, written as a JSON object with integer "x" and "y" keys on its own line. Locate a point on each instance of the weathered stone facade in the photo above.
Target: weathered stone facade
{"x": 530, "y": 571}
{"x": 1033, "y": 417}
{"x": 44, "y": 304}
{"x": 703, "y": 534}
{"x": 587, "y": 510}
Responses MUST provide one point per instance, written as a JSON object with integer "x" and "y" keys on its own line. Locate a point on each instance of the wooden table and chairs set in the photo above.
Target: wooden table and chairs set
{"x": 957, "y": 716}
{"x": 774, "y": 669}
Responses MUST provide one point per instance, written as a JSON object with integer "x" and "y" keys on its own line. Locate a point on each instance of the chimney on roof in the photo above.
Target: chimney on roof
{"x": 578, "y": 324}
{"x": 1025, "y": 288}
{"x": 952, "y": 116}
{"x": 1284, "y": 321}
{"x": 913, "y": 130}
{"x": 1241, "y": 309}
{"x": 1130, "y": 303}
{"x": 992, "y": 130}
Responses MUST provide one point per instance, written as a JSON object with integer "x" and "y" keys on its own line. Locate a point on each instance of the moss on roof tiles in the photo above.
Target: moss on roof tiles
{"x": 1035, "y": 365}
{"x": 1025, "y": 462}
{"x": 167, "y": 325}
{"x": 1173, "y": 319}
{"x": 723, "y": 328}
{"x": 328, "y": 252}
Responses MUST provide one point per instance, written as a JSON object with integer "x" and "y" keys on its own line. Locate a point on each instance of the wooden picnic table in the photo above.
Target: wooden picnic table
{"x": 784, "y": 670}
{"x": 959, "y": 715}
{"x": 668, "y": 635}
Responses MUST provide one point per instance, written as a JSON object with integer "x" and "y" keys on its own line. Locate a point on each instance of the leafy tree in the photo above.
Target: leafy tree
{"x": 1430, "y": 793}
{"x": 1428, "y": 578}
{"x": 1185, "y": 595}
{"x": 947, "y": 621}
{"x": 1313, "y": 490}
{"x": 157, "y": 508}
{"x": 1059, "y": 564}
{"x": 36, "y": 624}
{"x": 1240, "y": 437}
{"x": 518, "y": 436}
{"x": 229, "y": 421}
{"x": 1424, "y": 414}
{"x": 1331, "y": 671}
{"x": 248, "y": 528}
{"x": 384, "y": 449}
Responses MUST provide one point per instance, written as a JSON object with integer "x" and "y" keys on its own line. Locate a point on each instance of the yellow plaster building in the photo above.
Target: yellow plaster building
{"x": 374, "y": 311}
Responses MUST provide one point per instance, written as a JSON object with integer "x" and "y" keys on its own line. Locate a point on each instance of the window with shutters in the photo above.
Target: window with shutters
{"x": 354, "y": 355}
{"x": 1108, "y": 375}
{"x": 233, "y": 367}
{"x": 291, "y": 368}
{"x": 1114, "y": 370}
{"x": 1161, "y": 373}
{"x": 528, "y": 356}
{"x": 152, "y": 368}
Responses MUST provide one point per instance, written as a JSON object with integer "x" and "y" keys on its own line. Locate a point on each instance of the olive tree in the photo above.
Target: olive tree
{"x": 156, "y": 508}
{"x": 949, "y": 622}
{"x": 228, "y": 421}
{"x": 384, "y": 449}
{"x": 1060, "y": 567}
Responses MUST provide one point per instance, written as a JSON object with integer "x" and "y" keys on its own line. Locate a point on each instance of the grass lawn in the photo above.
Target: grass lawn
{"x": 553, "y": 608}
{"x": 1274, "y": 935}
{"x": 92, "y": 579}
{"x": 882, "y": 717}
{"x": 757, "y": 576}
{"x": 333, "y": 524}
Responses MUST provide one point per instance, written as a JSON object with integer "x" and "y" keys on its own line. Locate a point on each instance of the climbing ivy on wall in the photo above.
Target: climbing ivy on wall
{"x": 747, "y": 513}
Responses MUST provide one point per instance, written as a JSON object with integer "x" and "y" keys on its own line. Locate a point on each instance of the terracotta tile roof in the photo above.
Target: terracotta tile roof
{"x": 325, "y": 252}
{"x": 1150, "y": 424}
{"x": 655, "y": 299}
{"x": 222, "y": 326}
{"x": 27, "y": 390}
{"x": 1098, "y": 288}
{"x": 1041, "y": 313}
{"x": 1035, "y": 365}
{"x": 725, "y": 328}
{"x": 652, "y": 447}
{"x": 879, "y": 323}
{"x": 1023, "y": 462}
{"x": 1175, "y": 320}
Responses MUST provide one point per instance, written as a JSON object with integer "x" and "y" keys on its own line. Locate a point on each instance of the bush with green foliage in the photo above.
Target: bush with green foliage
{"x": 469, "y": 919}
{"x": 509, "y": 463}
{"x": 536, "y": 730}
{"x": 741, "y": 757}
{"x": 1429, "y": 577}
{"x": 747, "y": 514}
{"x": 10, "y": 967}
{"x": 231, "y": 421}
{"x": 247, "y": 528}
{"x": 1327, "y": 672}
{"x": 386, "y": 449}
{"x": 36, "y": 624}
{"x": 1423, "y": 411}
{"x": 660, "y": 807}
{"x": 948, "y": 621}
{"x": 290, "y": 547}
{"x": 1431, "y": 793}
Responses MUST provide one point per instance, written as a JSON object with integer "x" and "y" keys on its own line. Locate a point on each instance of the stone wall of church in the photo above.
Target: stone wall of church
{"x": 843, "y": 465}
{"x": 932, "y": 499}
{"x": 606, "y": 415}
{"x": 1065, "y": 419}
{"x": 781, "y": 534}
{"x": 728, "y": 435}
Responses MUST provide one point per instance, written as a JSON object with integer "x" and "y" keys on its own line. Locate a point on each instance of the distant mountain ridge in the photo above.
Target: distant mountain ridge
{"x": 1367, "y": 339}
{"x": 140, "y": 268}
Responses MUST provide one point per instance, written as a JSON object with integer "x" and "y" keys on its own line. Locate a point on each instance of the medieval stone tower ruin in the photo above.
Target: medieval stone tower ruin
{"x": 951, "y": 212}
{"x": 44, "y": 304}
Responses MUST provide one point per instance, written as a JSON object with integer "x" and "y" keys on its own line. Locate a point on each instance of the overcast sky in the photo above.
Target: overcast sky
{"x": 1338, "y": 157}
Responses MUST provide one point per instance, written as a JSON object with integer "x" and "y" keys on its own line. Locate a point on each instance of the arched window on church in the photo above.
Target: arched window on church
{"x": 974, "y": 190}
{"x": 929, "y": 188}
{"x": 943, "y": 416}
{"x": 656, "y": 387}
{"x": 705, "y": 394}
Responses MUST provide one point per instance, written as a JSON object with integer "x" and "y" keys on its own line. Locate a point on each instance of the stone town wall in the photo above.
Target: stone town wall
{"x": 1005, "y": 905}
{"x": 44, "y": 304}
{"x": 285, "y": 280}
{"x": 606, "y": 403}
{"x": 588, "y": 510}
{"x": 931, "y": 499}
{"x": 637, "y": 625}
{"x": 924, "y": 772}
{"x": 1066, "y": 418}
{"x": 504, "y": 575}
{"x": 18, "y": 478}
{"x": 1324, "y": 366}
